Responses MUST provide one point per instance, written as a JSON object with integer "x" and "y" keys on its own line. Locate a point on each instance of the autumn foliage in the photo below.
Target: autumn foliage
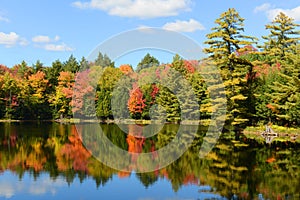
{"x": 73, "y": 154}
{"x": 136, "y": 102}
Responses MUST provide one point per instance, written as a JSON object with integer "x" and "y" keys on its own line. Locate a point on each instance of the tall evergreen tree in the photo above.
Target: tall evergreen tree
{"x": 286, "y": 90}
{"x": 71, "y": 65}
{"x": 224, "y": 42}
{"x": 104, "y": 61}
{"x": 38, "y": 66}
{"x": 146, "y": 62}
{"x": 84, "y": 64}
{"x": 283, "y": 35}
{"x": 282, "y": 45}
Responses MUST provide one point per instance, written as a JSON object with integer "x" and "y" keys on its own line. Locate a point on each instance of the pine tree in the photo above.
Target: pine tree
{"x": 71, "y": 65}
{"x": 38, "y": 66}
{"x": 286, "y": 96}
{"x": 84, "y": 64}
{"x": 282, "y": 46}
{"x": 283, "y": 35}
{"x": 146, "y": 62}
{"x": 224, "y": 42}
{"x": 104, "y": 61}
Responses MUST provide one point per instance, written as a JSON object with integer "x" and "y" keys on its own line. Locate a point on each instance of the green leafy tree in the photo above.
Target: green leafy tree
{"x": 8, "y": 95}
{"x": 105, "y": 87}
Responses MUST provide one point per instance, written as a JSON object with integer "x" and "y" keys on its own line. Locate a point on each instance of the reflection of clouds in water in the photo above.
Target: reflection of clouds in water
{"x": 43, "y": 185}
{"x": 6, "y": 189}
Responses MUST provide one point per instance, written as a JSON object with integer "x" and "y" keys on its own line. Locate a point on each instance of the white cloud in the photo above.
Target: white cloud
{"x": 44, "y": 39}
{"x": 146, "y": 29}
{"x": 272, "y": 12}
{"x": 42, "y": 185}
{"x": 4, "y": 19}
{"x": 263, "y": 7}
{"x": 184, "y": 26}
{"x": 41, "y": 39}
{"x": 23, "y": 42}
{"x": 11, "y": 39}
{"x": 6, "y": 190}
{"x": 137, "y": 8}
{"x": 58, "y": 47}
{"x": 50, "y": 44}
{"x": 293, "y": 13}
{"x": 56, "y": 38}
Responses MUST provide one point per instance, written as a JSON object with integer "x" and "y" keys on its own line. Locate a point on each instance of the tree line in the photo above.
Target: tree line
{"x": 261, "y": 80}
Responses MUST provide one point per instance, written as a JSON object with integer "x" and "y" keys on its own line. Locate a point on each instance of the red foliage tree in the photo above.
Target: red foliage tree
{"x": 190, "y": 65}
{"x": 136, "y": 102}
{"x": 82, "y": 91}
{"x": 73, "y": 152}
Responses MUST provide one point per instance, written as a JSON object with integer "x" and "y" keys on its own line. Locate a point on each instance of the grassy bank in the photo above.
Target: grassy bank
{"x": 285, "y": 134}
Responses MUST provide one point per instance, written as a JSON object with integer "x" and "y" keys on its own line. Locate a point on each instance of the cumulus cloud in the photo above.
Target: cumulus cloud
{"x": 11, "y": 39}
{"x": 44, "y": 39}
{"x": 184, "y": 26}
{"x": 58, "y": 47}
{"x": 271, "y": 11}
{"x": 137, "y": 8}
{"x": 50, "y": 44}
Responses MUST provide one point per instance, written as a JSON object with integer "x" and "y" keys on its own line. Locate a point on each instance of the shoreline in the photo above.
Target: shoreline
{"x": 124, "y": 121}
{"x": 253, "y": 133}
{"x": 282, "y": 137}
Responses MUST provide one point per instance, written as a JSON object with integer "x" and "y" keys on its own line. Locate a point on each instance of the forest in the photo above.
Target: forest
{"x": 261, "y": 78}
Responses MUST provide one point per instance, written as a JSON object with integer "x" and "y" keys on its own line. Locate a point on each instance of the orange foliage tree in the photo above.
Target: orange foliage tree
{"x": 61, "y": 99}
{"x": 136, "y": 101}
{"x": 126, "y": 69}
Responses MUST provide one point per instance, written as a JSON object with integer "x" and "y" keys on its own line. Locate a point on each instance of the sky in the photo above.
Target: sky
{"x": 34, "y": 30}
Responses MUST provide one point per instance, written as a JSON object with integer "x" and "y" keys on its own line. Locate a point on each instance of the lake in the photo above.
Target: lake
{"x": 48, "y": 161}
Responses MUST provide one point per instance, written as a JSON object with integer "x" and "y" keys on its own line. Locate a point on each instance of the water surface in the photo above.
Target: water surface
{"x": 48, "y": 161}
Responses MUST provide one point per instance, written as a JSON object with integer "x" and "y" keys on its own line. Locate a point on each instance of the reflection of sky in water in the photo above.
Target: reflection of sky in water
{"x": 125, "y": 188}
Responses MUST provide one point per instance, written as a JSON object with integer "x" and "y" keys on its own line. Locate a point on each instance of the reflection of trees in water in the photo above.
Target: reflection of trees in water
{"x": 232, "y": 168}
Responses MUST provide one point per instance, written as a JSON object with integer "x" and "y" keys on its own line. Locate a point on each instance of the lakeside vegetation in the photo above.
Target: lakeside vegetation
{"x": 262, "y": 82}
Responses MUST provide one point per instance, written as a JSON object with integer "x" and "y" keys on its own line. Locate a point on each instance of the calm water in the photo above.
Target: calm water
{"x": 48, "y": 161}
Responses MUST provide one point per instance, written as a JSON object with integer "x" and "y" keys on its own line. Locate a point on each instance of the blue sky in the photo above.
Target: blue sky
{"x": 34, "y": 30}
